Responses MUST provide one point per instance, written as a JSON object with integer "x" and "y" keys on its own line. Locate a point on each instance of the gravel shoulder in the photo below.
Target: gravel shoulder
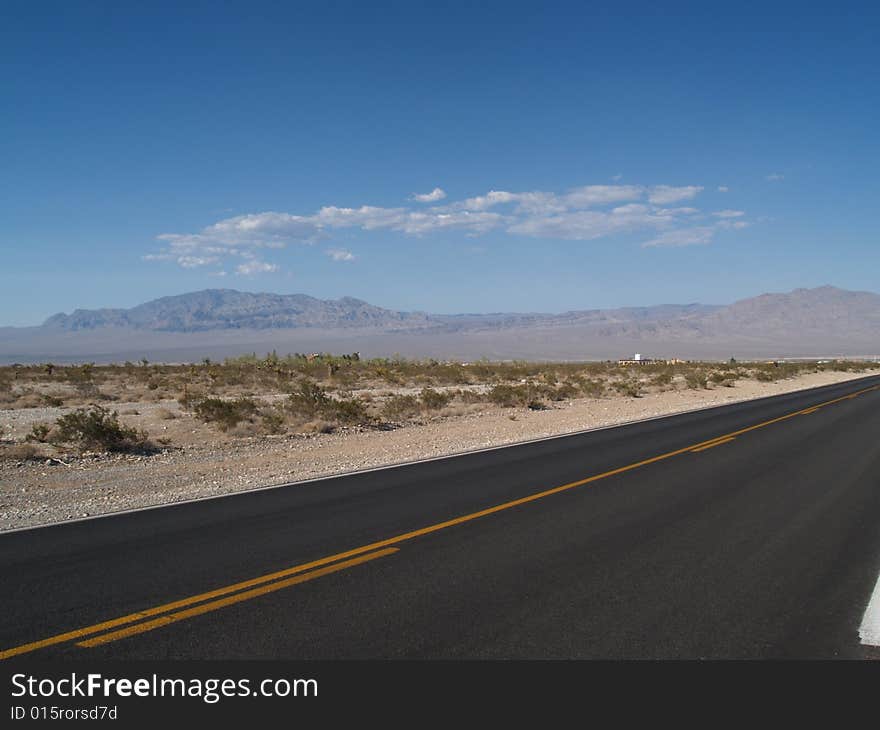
{"x": 44, "y": 492}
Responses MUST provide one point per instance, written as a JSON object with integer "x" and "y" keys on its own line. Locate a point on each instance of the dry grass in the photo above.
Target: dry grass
{"x": 251, "y": 396}
{"x": 21, "y": 452}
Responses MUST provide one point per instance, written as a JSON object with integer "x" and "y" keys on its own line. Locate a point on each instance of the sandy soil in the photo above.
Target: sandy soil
{"x": 37, "y": 493}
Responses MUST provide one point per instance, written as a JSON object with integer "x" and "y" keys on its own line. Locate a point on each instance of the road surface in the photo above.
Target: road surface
{"x": 744, "y": 531}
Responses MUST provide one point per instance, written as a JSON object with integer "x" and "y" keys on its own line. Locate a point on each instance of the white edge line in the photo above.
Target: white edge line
{"x": 869, "y": 630}
{"x": 400, "y": 464}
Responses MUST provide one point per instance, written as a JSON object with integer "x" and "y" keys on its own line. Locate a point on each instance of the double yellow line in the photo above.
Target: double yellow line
{"x": 202, "y": 603}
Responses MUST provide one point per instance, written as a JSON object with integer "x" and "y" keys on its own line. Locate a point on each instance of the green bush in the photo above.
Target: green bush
{"x": 434, "y": 400}
{"x": 662, "y": 379}
{"x": 696, "y": 380}
{"x": 225, "y": 413}
{"x": 471, "y": 396}
{"x": 593, "y": 388}
{"x": 566, "y": 391}
{"x": 98, "y": 429}
{"x": 399, "y": 407}
{"x": 308, "y": 400}
{"x": 629, "y": 388}
{"x": 39, "y": 432}
{"x": 273, "y": 420}
{"x": 509, "y": 396}
{"x": 349, "y": 412}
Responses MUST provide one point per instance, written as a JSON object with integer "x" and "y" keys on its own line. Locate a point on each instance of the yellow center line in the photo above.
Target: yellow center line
{"x": 379, "y": 545}
{"x": 164, "y": 608}
{"x": 230, "y": 600}
{"x": 712, "y": 445}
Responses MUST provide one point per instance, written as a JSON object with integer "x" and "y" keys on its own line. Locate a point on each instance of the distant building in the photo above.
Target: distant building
{"x": 636, "y": 359}
{"x": 639, "y": 359}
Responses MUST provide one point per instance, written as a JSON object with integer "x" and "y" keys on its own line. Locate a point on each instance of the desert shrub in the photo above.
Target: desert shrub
{"x": 536, "y": 405}
{"x": 318, "y": 426}
{"x": 398, "y": 407}
{"x": 308, "y": 400}
{"x": 87, "y": 389}
{"x": 696, "y": 380}
{"x": 629, "y": 388}
{"x": 349, "y": 411}
{"x": 471, "y": 396}
{"x": 165, "y": 414}
{"x": 434, "y": 400}
{"x": 593, "y": 388}
{"x": 662, "y": 379}
{"x": 565, "y": 391}
{"x": 225, "y": 413}
{"x": 21, "y": 452}
{"x": 717, "y": 378}
{"x": 97, "y": 428}
{"x": 765, "y": 376}
{"x": 509, "y": 396}
{"x": 273, "y": 420}
{"x": 53, "y": 401}
{"x": 39, "y": 433}
{"x": 188, "y": 398}
{"x": 29, "y": 400}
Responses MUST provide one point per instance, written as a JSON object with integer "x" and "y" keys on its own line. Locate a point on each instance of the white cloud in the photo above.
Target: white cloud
{"x": 775, "y": 177}
{"x": 723, "y": 189}
{"x": 252, "y": 267}
{"x": 735, "y": 224}
{"x": 676, "y": 211}
{"x": 593, "y": 195}
{"x": 258, "y": 230}
{"x": 582, "y": 213}
{"x": 586, "y": 225}
{"x": 432, "y": 197}
{"x": 192, "y": 262}
{"x": 482, "y": 202}
{"x": 666, "y": 194}
{"x": 340, "y": 254}
{"x": 367, "y": 217}
{"x": 682, "y": 237}
{"x": 617, "y": 177}
{"x": 471, "y": 222}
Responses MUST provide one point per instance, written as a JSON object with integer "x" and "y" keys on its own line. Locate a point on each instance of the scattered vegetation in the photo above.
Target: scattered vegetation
{"x": 400, "y": 407}
{"x": 225, "y": 413}
{"x": 434, "y": 400}
{"x": 97, "y": 429}
{"x": 320, "y": 392}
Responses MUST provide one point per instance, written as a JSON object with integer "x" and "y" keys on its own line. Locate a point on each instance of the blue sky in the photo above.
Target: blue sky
{"x": 448, "y": 158}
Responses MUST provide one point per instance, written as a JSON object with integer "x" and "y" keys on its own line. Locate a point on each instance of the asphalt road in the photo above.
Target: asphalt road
{"x": 617, "y": 543}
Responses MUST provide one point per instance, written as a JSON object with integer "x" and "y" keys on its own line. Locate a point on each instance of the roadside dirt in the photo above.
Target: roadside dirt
{"x": 203, "y": 463}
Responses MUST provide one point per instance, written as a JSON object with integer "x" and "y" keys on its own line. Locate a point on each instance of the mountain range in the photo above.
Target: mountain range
{"x": 825, "y": 321}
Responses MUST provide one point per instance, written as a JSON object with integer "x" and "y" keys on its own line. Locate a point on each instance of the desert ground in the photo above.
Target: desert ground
{"x": 79, "y": 441}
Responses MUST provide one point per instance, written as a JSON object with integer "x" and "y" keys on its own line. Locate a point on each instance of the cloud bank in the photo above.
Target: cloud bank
{"x": 583, "y": 213}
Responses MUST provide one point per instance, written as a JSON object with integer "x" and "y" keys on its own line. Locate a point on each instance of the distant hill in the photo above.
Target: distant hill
{"x": 222, "y": 309}
{"x": 219, "y": 322}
